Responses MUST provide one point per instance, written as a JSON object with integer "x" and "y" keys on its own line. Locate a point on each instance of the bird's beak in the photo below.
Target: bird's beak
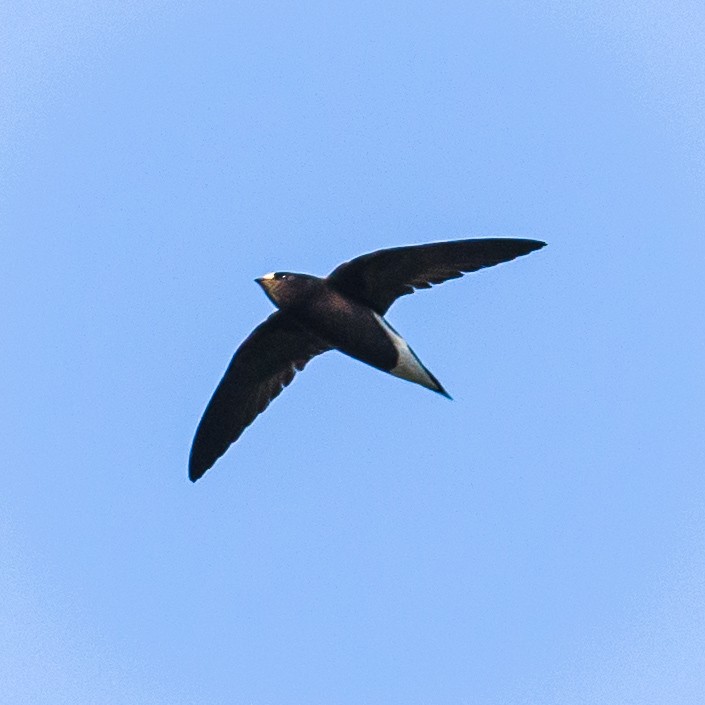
{"x": 267, "y": 284}
{"x": 266, "y": 280}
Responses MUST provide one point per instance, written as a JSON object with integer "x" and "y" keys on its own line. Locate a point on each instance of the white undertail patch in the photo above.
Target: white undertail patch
{"x": 408, "y": 365}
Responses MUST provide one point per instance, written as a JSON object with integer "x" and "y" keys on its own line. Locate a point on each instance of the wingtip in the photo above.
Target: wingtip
{"x": 194, "y": 476}
{"x": 196, "y": 471}
{"x": 534, "y": 245}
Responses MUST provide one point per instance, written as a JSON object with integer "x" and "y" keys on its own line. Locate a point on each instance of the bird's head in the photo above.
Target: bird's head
{"x": 286, "y": 289}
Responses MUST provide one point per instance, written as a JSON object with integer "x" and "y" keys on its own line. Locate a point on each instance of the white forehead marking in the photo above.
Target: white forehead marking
{"x": 268, "y": 276}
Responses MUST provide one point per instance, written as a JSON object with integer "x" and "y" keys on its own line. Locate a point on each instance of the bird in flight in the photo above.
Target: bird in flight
{"x": 343, "y": 311}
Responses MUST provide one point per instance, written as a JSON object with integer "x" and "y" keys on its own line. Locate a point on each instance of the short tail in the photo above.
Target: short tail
{"x": 438, "y": 386}
{"x": 412, "y": 369}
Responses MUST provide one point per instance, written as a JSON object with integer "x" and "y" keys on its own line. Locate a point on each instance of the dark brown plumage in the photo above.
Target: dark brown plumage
{"x": 378, "y": 279}
{"x": 343, "y": 312}
{"x": 262, "y": 366}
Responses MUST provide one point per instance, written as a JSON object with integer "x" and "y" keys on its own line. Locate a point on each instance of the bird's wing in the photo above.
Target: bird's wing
{"x": 261, "y": 367}
{"x": 379, "y": 278}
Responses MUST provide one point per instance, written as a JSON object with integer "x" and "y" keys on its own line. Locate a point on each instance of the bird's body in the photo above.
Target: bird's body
{"x": 352, "y": 328}
{"x": 345, "y": 311}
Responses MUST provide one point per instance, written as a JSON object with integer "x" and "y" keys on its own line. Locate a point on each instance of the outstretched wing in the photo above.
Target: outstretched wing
{"x": 262, "y": 366}
{"x": 379, "y": 278}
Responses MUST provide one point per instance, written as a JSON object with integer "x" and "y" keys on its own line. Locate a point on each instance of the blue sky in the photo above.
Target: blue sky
{"x": 540, "y": 539}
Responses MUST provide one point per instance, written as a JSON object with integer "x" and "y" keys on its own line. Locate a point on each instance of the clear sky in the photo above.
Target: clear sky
{"x": 540, "y": 539}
